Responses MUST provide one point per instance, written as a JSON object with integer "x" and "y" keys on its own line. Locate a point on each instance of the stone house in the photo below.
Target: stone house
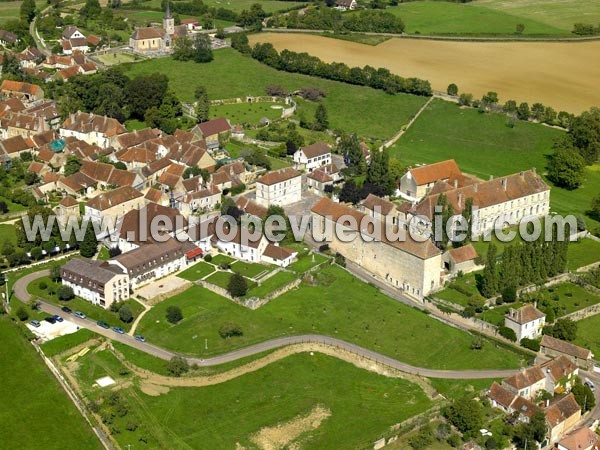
{"x": 461, "y": 259}
{"x": 404, "y": 263}
{"x": 244, "y": 245}
{"x": 582, "y": 357}
{"x": 312, "y": 157}
{"x": 27, "y": 92}
{"x": 319, "y": 179}
{"x": 92, "y": 128}
{"x": 526, "y": 322}
{"x": 279, "y": 187}
{"x": 580, "y": 439}
{"x": 114, "y": 204}
{"x": 418, "y": 181}
{"x": 562, "y": 415}
{"x": 212, "y": 131}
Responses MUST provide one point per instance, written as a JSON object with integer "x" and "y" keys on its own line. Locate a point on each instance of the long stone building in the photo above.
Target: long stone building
{"x": 496, "y": 203}
{"x": 412, "y": 266}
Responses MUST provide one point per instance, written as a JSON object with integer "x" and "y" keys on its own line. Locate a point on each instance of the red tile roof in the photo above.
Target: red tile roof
{"x": 214, "y": 126}
{"x": 462, "y": 254}
{"x": 433, "y": 172}
{"x": 565, "y": 347}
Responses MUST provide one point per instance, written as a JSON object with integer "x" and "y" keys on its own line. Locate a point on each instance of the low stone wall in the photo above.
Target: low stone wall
{"x": 252, "y": 302}
{"x": 583, "y": 313}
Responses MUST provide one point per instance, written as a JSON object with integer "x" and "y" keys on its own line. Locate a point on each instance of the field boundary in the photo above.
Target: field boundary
{"x": 433, "y": 37}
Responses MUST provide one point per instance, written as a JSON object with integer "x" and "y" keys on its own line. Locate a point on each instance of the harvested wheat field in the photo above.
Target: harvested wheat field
{"x": 562, "y": 75}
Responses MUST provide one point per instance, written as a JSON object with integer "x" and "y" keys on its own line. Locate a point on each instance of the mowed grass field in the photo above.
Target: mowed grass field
{"x": 355, "y": 109}
{"x": 234, "y": 412}
{"x": 438, "y": 17}
{"x": 587, "y": 334}
{"x": 483, "y": 145}
{"x": 248, "y": 113}
{"x": 497, "y": 17}
{"x": 36, "y": 413}
{"x": 339, "y": 305}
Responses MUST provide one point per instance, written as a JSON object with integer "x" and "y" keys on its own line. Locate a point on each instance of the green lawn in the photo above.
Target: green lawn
{"x": 568, "y": 297}
{"x": 277, "y": 281}
{"x": 7, "y": 234}
{"x": 484, "y": 146}
{"x": 79, "y": 304}
{"x": 459, "y": 388}
{"x": 232, "y": 412}
{"x": 339, "y": 305}
{"x": 247, "y": 113}
{"x": 267, "y": 5}
{"x": 118, "y": 58}
{"x": 220, "y": 279}
{"x": 439, "y": 17}
{"x": 251, "y": 270}
{"x": 587, "y": 334}
{"x": 496, "y": 315}
{"x": 582, "y": 253}
{"x": 307, "y": 262}
{"x": 460, "y": 290}
{"x": 278, "y": 163}
{"x": 36, "y": 413}
{"x": 103, "y": 254}
{"x": 197, "y": 271}
{"x": 358, "y": 109}
{"x": 64, "y": 343}
{"x": 221, "y": 258}
{"x": 134, "y": 124}
{"x": 560, "y": 14}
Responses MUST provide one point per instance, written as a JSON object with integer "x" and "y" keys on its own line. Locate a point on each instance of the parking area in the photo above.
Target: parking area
{"x": 48, "y": 331}
{"x": 302, "y": 207}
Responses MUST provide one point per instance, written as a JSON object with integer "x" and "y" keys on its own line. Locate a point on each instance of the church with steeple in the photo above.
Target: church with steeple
{"x": 154, "y": 40}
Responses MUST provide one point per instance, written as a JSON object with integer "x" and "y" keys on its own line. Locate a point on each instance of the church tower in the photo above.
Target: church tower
{"x": 168, "y": 21}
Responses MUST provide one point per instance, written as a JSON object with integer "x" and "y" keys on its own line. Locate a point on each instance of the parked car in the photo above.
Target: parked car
{"x": 58, "y": 318}
{"x": 51, "y": 320}
{"x": 118, "y": 330}
{"x": 79, "y": 314}
{"x": 66, "y": 309}
{"x": 590, "y": 384}
{"x": 35, "y": 323}
{"x": 104, "y": 325}
{"x": 140, "y": 338}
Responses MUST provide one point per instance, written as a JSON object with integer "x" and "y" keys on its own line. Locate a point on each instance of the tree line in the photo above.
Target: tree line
{"x": 369, "y": 20}
{"x": 306, "y": 64}
{"x": 113, "y": 94}
{"x": 522, "y": 264}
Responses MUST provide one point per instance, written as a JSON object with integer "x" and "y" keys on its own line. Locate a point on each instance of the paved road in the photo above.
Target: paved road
{"x": 20, "y": 290}
{"x": 34, "y": 33}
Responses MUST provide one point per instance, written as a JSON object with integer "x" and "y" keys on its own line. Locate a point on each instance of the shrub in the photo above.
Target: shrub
{"x": 125, "y": 314}
{"x": 340, "y": 260}
{"x": 43, "y": 285}
{"x": 469, "y": 311}
{"x": 208, "y": 258}
{"x": 508, "y": 333}
{"x": 22, "y": 314}
{"x": 237, "y": 286}
{"x": 65, "y": 293}
{"x": 477, "y": 344}
{"x": 509, "y": 294}
{"x": 177, "y": 366}
{"x": 531, "y": 344}
{"x": 230, "y": 329}
{"x": 174, "y": 314}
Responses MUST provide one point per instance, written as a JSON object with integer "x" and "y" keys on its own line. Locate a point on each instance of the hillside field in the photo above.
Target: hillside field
{"x": 236, "y": 411}
{"x": 356, "y": 109}
{"x": 36, "y": 413}
{"x": 483, "y": 145}
{"x": 337, "y": 305}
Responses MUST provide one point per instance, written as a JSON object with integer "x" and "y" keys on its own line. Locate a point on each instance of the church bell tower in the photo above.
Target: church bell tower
{"x": 168, "y": 21}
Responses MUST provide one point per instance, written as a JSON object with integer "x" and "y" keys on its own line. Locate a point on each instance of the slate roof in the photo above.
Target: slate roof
{"x": 525, "y": 314}
{"x": 333, "y": 211}
{"x": 278, "y": 176}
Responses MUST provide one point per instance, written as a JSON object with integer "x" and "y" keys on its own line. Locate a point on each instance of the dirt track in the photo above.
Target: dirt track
{"x": 562, "y": 75}
{"x": 154, "y": 384}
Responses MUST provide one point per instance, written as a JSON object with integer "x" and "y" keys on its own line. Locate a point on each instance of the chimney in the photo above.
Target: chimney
{"x": 547, "y": 402}
{"x": 455, "y": 183}
{"x": 533, "y": 169}
{"x": 504, "y": 183}
{"x": 522, "y": 174}
{"x": 475, "y": 187}
{"x": 459, "y": 199}
{"x": 491, "y": 177}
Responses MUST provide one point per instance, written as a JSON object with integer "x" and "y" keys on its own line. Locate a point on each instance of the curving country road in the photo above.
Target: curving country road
{"x": 20, "y": 290}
